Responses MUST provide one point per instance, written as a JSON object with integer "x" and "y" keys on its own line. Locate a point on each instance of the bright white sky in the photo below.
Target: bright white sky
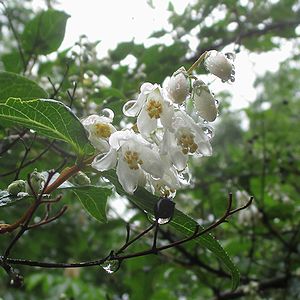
{"x": 114, "y": 21}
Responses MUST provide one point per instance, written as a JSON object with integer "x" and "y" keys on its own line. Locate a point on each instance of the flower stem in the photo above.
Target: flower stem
{"x": 196, "y": 63}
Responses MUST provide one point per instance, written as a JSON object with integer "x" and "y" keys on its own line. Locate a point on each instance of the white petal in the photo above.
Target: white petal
{"x": 217, "y": 64}
{"x": 146, "y": 124}
{"x": 151, "y": 162}
{"x": 118, "y": 138}
{"x": 106, "y": 162}
{"x": 100, "y": 144}
{"x": 204, "y": 147}
{"x": 132, "y": 108}
{"x": 167, "y": 115}
{"x": 178, "y": 158}
{"x": 128, "y": 178}
{"x": 168, "y": 142}
{"x": 204, "y": 102}
{"x": 178, "y": 86}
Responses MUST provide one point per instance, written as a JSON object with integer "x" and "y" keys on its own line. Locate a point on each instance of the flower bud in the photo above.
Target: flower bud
{"x": 204, "y": 101}
{"x": 179, "y": 86}
{"x": 16, "y": 187}
{"x": 164, "y": 210}
{"x": 218, "y": 64}
{"x": 36, "y": 181}
{"x": 82, "y": 179}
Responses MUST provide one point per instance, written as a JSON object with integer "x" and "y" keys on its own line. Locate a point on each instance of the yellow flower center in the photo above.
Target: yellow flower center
{"x": 154, "y": 109}
{"x": 187, "y": 143}
{"x": 102, "y": 130}
{"x": 133, "y": 160}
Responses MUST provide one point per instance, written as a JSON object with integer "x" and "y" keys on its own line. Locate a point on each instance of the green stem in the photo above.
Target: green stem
{"x": 197, "y": 63}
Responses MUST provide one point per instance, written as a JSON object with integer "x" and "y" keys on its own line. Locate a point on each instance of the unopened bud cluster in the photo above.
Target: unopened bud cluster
{"x": 33, "y": 186}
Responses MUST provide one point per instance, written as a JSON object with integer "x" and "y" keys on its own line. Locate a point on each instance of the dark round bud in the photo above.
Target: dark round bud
{"x": 164, "y": 210}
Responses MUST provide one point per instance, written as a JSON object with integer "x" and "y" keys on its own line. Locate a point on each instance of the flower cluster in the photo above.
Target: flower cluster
{"x": 171, "y": 126}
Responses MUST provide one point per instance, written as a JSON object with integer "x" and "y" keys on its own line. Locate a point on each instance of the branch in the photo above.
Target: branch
{"x": 280, "y": 26}
{"x": 115, "y": 255}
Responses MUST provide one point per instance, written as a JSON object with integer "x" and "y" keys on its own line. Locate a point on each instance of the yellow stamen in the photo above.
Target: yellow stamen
{"x": 102, "y": 130}
{"x": 187, "y": 143}
{"x": 133, "y": 160}
{"x": 154, "y": 109}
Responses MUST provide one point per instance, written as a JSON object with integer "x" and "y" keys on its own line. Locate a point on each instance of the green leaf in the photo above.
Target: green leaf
{"x": 181, "y": 222}
{"x": 50, "y": 118}
{"x": 17, "y": 86}
{"x": 93, "y": 199}
{"x": 7, "y": 200}
{"x": 12, "y": 62}
{"x": 45, "y": 32}
{"x": 158, "y": 34}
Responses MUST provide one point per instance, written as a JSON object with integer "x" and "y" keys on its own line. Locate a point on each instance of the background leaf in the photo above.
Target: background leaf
{"x": 45, "y": 32}
{"x": 48, "y": 117}
{"x": 17, "y": 86}
{"x": 93, "y": 200}
{"x": 12, "y": 62}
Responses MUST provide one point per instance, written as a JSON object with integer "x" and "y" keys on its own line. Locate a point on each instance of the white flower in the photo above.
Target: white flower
{"x": 178, "y": 86}
{"x": 250, "y": 214}
{"x": 133, "y": 158}
{"x": 204, "y": 101}
{"x": 188, "y": 138}
{"x": 150, "y": 107}
{"x": 218, "y": 64}
{"x": 99, "y": 129}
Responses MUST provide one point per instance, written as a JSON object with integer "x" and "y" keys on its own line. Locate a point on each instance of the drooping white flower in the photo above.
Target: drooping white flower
{"x": 187, "y": 138}
{"x": 220, "y": 65}
{"x": 178, "y": 86}
{"x": 99, "y": 129}
{"x": 133, "y": 158}
{"x": 150, "y": 107}
{"x": 204, "y": 101}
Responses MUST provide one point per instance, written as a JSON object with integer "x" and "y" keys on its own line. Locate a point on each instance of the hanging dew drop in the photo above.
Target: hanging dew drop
{"x": 162, "y": 221}
{"x": 110, "y": 266}
{"x": 150, "y": 217}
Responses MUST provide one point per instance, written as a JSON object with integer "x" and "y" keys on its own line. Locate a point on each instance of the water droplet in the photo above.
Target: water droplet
{"x": 217, "y": 102}
{"x": 208, "y": 131}
{"x": 111, "y": 266}
{"x": 230, "y": 55}
{"x": 185, "y": 177}
{"x": 198, "y": 91}
{"x": 106, "y": 112}
{"x": 150, "y": 217}
{"x": 232, "y": 72}
{"x": 162, "y": 221}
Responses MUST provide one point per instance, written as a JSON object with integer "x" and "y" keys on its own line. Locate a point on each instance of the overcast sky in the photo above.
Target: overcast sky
{"x": 114, "y": 21}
